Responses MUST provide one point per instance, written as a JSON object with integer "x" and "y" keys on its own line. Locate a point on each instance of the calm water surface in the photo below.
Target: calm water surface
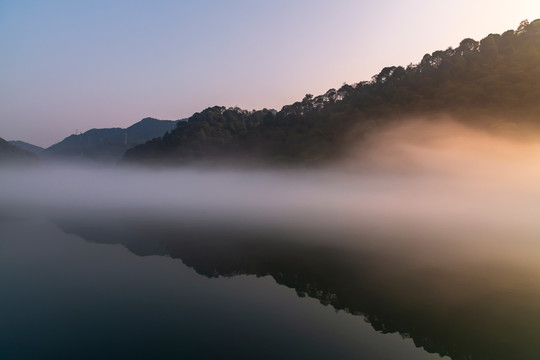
{"x": 117, "y": 264}
{"x": 65, "y": 297}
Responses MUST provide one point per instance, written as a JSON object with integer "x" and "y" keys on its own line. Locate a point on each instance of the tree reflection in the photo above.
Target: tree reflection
{"x": 444, "y": 307}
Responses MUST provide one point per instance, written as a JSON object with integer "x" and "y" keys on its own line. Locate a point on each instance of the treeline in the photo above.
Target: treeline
{"x": 215, "y": 133}
{"x": 480, "y": 82}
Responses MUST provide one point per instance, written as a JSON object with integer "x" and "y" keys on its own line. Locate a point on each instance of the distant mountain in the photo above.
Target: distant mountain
{"x": 27, "y": 146}
{"x": 107, "y": 145}
{"x": 15, "y": 155}
{"x": 492, "y": 84}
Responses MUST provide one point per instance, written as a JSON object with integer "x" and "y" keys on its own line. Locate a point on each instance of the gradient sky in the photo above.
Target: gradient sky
{"x": 77, "y": 65}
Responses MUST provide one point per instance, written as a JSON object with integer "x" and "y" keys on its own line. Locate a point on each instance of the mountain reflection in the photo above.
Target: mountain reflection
{"x": 447, "y": 305}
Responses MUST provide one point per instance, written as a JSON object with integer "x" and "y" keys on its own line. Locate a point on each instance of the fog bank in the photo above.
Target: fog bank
{"x": 426, "y": 180}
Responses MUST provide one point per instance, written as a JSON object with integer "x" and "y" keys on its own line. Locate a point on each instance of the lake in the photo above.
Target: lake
{"x": 256, "y": 265}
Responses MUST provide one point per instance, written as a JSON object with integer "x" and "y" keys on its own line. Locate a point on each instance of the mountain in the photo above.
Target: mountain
{"x": 27, "y": 146}
{"x": 107, "y": 145}
{"x": 15, "y": 155}
{"x": 493, "y": 84}
{"x": 209, "y": 134}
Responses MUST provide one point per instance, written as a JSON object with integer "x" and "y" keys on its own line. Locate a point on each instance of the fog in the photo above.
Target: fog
{"x": 428, "y": 228}
{"x": 419, "y": 180}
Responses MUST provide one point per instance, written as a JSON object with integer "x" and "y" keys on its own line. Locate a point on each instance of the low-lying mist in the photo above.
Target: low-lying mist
{"x": 418, "y": 180}
{"x": 429, "y": 229}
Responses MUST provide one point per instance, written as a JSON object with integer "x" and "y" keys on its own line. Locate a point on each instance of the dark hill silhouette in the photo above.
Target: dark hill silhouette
{"x": 215, "y": 133}
{"x": 27, "y": 146}
{"x": 11, "y": 154}
{"x": 107, "y": 145}
{"x": 493, "y": 84}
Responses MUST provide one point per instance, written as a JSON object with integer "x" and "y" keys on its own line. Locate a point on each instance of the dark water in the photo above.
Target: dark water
{"x": 206, "y": 290}
{"x": 65, "y": 295}
{"x": 188, "y": 265}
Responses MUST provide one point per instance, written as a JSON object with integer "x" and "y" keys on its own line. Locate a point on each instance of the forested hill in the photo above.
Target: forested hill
{"x": 490, "y": 83}
{"x": 27, "y": 146}
{"x": 107, "y": 145}
{"x": 11, "y": 154}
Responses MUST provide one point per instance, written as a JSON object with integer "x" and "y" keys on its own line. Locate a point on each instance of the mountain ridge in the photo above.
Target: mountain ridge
{"x": 27, "y": 146}
{"x": 13, "y": 154}
{"x": 107, "y": 144}
{"x": 491, "y": 83}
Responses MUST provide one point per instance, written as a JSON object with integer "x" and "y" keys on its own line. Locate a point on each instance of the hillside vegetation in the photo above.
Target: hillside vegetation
{"x": 107, "y": 145}
{"x": 493, "y": 83}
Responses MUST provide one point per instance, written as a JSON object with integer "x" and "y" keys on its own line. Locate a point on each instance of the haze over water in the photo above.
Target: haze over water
{"x": 429, "y": 231}
{"x": 382, "y": 202}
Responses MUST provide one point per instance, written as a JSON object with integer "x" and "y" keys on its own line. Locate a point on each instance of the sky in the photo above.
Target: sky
{"x": 68, "y": 66}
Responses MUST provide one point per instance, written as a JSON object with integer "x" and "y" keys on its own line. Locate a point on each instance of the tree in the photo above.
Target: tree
{"x": 522, "y": 27}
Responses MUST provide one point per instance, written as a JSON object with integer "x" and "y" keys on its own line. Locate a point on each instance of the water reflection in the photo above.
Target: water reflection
{"x": 448, "y": 298}
{"x": 64, "y": 298}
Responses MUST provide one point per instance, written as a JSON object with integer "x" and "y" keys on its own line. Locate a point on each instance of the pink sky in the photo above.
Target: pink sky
{"x": 68, "y": 66}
